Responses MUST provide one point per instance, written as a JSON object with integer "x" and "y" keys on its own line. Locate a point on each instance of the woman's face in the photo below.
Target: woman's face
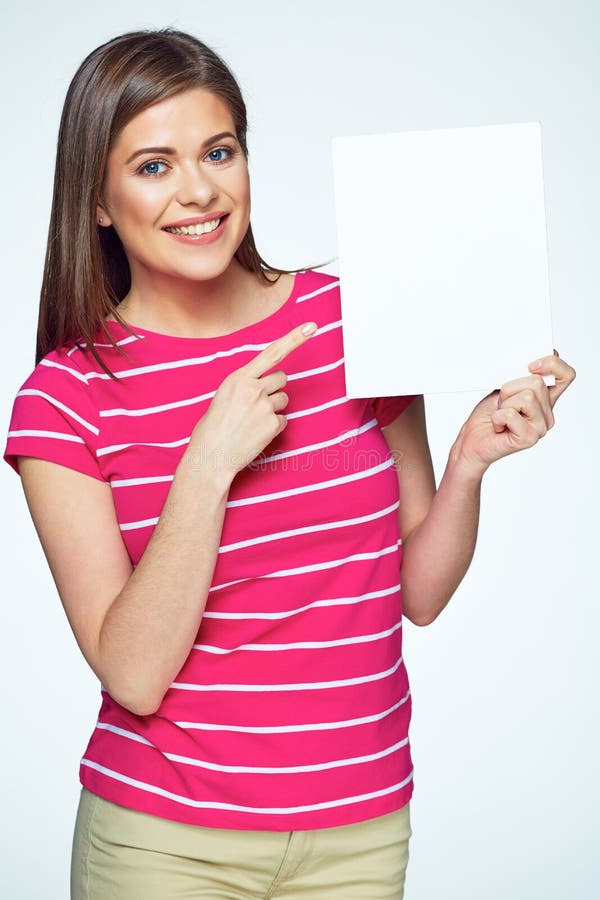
{"x": 176, "y": 164}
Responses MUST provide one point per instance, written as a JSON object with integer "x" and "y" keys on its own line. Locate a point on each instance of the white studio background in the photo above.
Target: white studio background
{"x": 505, "y": 722}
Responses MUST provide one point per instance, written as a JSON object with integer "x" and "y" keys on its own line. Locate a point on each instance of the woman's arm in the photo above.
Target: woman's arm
{"x": 439, "y": 528}
{"x": 437, "y": 553}
{"x": 134, "y": 627}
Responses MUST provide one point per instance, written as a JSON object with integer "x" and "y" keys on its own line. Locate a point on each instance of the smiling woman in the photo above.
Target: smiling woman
{"x": 236, "y": 560}
{"x": 152, "y": 137}
{"x": 156, "y": 205}
{"x": 252, "y": 682}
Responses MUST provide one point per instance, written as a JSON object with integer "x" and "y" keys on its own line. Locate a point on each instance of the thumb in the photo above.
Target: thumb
{"x": 498, "y": 418}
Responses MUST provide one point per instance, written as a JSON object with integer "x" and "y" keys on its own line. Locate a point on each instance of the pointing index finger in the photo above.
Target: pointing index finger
{"x": 280, "y": 348}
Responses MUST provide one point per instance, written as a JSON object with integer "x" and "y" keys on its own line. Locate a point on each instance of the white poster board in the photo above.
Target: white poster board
{"x": 442, "y": 258}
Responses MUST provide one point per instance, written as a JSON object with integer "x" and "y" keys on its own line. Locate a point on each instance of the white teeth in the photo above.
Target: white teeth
{"x": 203, "y": 228}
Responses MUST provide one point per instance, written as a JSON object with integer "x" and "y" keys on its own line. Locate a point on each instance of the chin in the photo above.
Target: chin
{"x": 203, "y": 273}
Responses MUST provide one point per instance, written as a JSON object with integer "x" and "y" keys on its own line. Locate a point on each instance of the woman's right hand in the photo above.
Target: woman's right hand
{"x": 245, "y": 412}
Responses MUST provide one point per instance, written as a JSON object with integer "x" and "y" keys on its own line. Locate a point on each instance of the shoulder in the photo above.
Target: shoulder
{"x": 55, "y": 368}
{"x": 57, "y": 381}
{"x": 321, "y": 290}
{"x": 53, "y": 416}
{"x": 313, "y": 279}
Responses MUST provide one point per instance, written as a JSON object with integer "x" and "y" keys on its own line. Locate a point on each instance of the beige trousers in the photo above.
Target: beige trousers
{"x": 122, "y": 854}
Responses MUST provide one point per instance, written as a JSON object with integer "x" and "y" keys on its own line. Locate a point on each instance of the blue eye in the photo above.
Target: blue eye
{"x": 151, "y": 167}
{"x": 227, "y": 150}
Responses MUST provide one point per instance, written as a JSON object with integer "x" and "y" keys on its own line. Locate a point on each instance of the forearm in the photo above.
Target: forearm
{"x": 149, "y": 629}
{"x": 437, "y": 554}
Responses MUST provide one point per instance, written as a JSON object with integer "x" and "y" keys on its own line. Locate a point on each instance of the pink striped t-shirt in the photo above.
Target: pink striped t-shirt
{"x": 292, "y": 709}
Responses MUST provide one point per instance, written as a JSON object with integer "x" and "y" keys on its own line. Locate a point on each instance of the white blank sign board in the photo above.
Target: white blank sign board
{"x": 442, "y": 258}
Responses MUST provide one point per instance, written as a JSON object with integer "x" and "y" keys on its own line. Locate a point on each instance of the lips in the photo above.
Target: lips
{"x": 182, "y": 233}
{"x": 205, "y": 228}
{"x": 196, "y": 220}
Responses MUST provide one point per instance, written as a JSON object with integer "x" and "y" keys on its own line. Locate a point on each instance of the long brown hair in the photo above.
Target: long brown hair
{"x": 86, "y": 273}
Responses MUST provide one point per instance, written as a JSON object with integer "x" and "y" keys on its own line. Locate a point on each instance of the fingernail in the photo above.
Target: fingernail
{"x": 536, "y": 365}
{"x": 309, "y": 328}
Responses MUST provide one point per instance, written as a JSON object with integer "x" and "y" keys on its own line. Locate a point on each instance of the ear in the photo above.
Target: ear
{"x": 102, "y": 217}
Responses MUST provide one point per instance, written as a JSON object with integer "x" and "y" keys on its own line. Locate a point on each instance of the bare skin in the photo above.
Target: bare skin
{"x": 259, "y": 301}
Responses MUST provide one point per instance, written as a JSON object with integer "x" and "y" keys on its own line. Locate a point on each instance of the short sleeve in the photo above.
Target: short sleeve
{"x": 389, "y": 408}
{"x": 53, "y": 417}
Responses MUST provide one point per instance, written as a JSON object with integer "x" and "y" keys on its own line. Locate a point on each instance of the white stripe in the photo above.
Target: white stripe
{"x": 293, "y": 729}
{"x": 151, "y": 410}
{"x": 321, "y": 290}
{"x": 272, "y": 810}
{"x": 275, "y": 495}
{"x": 307, "y": 686}
{"x": 128, "y": 482}
{"x": 307, "y": 448}
{"x": 113, "y": 448}
{"x": 315, "y": 409}
{"x": 303, "y": 645}
{"x": 175, "y": 364}
{"x": 306, "y": 373}
{"x": 331, "y": 326}
{"x": 257, "y": 770}
{"x": 312, "y": 567}
{"x": 154, "y": 479}
{"x": 120, "y": 343}
{"x": 55, "y": 435}
{"x": 55, "y": 365}
{"x": 316, "y": 486}
{"x": 309, "y": 529}
{"x": 190, "y": 361}
{"x": 200, "y": 360}
{"x": 32, "y": 392}
{"x": 336, "y": 601}
{"x": 199, "y": 398}
{"x": 141, "y": 523}
{"x": 163, "y": 407}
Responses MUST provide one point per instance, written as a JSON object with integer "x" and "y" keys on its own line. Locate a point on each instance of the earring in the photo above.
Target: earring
{"x": 100, "y": 220}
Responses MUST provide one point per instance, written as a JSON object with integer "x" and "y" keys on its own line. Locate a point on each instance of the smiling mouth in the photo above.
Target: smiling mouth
{"x": 200, "y": 228}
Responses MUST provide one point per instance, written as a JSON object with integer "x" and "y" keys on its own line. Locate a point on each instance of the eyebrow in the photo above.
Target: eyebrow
{"x": 171, "y": 150}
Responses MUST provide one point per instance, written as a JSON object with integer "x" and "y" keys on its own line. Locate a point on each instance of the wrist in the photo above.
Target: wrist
{"x": 205, "y": 466}
{"x": 465, "y": 467}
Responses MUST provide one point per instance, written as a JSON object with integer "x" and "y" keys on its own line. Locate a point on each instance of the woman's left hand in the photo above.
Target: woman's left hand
{"x": 513, "y": 418}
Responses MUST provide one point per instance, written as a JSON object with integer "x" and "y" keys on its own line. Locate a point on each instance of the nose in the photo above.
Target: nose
{"x": 195, "y": 185}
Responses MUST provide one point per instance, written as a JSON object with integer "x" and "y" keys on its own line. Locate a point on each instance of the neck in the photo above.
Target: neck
{"x": 179, "y": 306}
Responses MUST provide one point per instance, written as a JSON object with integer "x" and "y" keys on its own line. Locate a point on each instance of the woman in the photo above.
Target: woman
{"x": 223, "y": 525}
